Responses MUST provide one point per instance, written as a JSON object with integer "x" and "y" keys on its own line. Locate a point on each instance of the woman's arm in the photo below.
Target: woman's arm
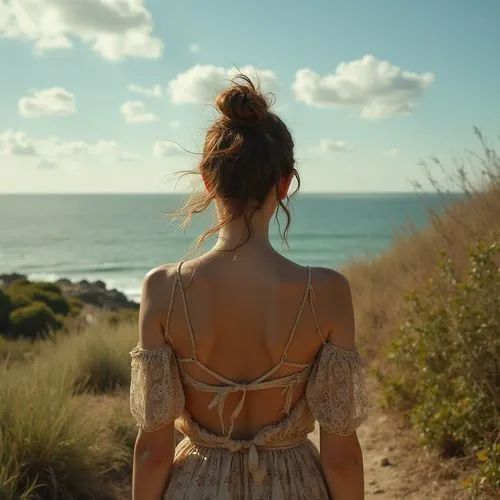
{"x": 342, "y": 463}
{"x": 153, "y": 458}
{"x": 341, "y": 456}
{"x": 154, "y": 451}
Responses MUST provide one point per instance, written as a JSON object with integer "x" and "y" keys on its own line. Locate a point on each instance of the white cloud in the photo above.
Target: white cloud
{"x": 377, "y": 88}
{"x": 153, "y": 91}
{"x": 47, "y": 165}
{"x": 391, "y": 152}
{"x": 332, "y": 145}
{"x": 174, "y": 124}
{"x": 55, "y": 101}
{"x": 51, "y": 149}
{"x": 16, "y": 143}
{"x": 137, "y": 112}
{"x": 56, "y": 42}
{"x": 200, "y": 84}
{"x": 128, "y": 157}
{"x": 162, "y": 149}
{"x": 194, "y": 48}
{"x": 115, "y": 29}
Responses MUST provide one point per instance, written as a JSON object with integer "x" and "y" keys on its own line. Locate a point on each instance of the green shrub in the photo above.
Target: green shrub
{"x": 23, "y": 294}
{"x": 32, "y": 321}
{"x": 47, "y": 286}
{"x": 75, "y": 306}
{"x": 5, "y": 309}
{"x": 57, "y": 303}
{"x": 446, "y": 361}
{"x": 18, "y": 298}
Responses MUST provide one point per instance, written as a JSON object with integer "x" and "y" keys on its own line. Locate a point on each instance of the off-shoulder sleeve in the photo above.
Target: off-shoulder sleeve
{"x": 156, "y": 393}
{"x": 336, "y": 390}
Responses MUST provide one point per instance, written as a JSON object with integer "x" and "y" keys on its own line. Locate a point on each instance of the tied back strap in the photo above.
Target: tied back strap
{"x": 286, "y": 383}
{"x": 255, "y": 467}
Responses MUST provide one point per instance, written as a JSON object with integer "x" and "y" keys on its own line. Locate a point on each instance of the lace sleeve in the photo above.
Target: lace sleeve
{"x": 156, "y": 394}
{"x": 336, "y": 391}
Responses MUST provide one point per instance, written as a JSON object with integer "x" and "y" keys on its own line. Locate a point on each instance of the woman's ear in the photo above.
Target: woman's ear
{"x": 285, "y": 185}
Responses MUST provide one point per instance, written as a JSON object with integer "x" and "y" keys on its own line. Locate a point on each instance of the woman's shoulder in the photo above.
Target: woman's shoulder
{"x": 157, "y": 284}
{"x": 330, "y": 281}
{"x": 332, "y": 296}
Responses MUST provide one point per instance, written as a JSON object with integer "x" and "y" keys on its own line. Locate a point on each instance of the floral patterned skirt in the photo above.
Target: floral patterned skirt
{"x": 206, "y": 473}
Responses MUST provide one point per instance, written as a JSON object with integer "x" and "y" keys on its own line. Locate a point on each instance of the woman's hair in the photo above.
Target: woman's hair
{"x": 248, "y": 150}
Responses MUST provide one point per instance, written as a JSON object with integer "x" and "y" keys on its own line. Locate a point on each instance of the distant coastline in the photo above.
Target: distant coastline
{"x": 91, "y": 293}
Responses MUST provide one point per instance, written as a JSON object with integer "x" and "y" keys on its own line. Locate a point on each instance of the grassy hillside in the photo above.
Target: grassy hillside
{"x": 428, "y": 315}
{"x": 65, "y": 428}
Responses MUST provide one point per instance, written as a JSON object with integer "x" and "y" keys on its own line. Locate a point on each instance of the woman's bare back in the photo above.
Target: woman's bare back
{"x": 242, "y": 313}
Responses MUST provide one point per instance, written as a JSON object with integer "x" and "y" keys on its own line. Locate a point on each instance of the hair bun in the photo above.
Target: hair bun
{"x": 242, "y": 105}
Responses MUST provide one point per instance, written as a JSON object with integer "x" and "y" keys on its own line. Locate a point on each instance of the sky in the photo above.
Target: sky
{"x": 96, "y": 95}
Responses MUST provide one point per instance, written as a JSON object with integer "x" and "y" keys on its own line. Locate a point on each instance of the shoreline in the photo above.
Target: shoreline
{"x": 91, "y": 292}
{"x": 132, "y": 293}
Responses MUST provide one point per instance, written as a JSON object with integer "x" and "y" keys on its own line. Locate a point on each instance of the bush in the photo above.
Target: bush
{"x": 57, "y": 303}
{"x": 23, "y": 294}
{"x": 446, "y": 361}
{"x": 5, "y": 309}
{"x": 47, "y": 286}
{"x": 34, "y": 320}
{"x": 75, "y": 306}
{"x": 18, "y": 298}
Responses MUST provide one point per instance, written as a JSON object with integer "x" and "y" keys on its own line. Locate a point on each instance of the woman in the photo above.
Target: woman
{"x": 242, "y": 349}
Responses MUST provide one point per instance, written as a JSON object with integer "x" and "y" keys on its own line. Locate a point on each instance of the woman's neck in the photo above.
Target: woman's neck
{"x": 234, "y": 233}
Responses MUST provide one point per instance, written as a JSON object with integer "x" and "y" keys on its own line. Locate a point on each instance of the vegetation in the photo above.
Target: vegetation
{"x": 5, "y": 309}
{"x": 101, "y": 368}
{"x": 34, "y": 309}
{"x": 60, "y": 440}
{"x": 446, "y": 363}
{"x": 19, "y": 349}
{"x": 48, "y": 293}
{"x": 32, "y": 321}
{"x": 429, "y": 317}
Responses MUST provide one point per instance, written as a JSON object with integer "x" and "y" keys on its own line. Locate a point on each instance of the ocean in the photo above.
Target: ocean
{"x": 118, "y": 238}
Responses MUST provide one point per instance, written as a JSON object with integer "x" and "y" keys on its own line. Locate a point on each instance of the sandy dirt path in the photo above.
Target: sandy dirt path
{"x": 395, "y": 466}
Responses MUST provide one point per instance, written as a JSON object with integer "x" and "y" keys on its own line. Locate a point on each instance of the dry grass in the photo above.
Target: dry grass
{"x": 385, "y": 319}
{"x": 58, "y": 439}
{"x": 380, "y": 284}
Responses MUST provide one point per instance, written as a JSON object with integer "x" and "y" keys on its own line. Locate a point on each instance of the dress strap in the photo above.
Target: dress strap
{"x": 284, "y": 358}
{"x": 312, "y": 299}
{"x": 170, "y": 307}
{"x": 186, "y": 313}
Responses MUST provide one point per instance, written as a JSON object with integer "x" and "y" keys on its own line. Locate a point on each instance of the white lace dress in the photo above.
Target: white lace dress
{"x": 279, "y": 462}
